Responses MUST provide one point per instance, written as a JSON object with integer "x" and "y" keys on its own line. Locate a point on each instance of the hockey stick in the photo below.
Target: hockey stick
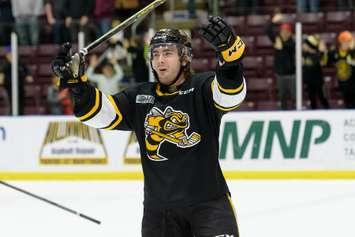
{"x": 140, "y": 14}
{"x": 52, "y": 203}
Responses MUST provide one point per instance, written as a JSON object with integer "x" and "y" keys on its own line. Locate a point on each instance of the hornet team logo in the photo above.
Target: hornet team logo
{"x": 168, "y": 126}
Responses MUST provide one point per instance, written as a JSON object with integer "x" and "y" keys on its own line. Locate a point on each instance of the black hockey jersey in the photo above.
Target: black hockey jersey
{"x": 178, "y": 132}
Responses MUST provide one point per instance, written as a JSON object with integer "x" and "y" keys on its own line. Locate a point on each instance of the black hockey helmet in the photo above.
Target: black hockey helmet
{"x": 172, "y": 36}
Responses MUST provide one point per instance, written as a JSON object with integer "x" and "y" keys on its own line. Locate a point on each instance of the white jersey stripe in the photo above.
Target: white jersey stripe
{"x": 105, "y": 116}
{"x": 226, "y": 100}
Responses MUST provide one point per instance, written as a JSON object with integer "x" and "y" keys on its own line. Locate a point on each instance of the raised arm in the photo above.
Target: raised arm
{"x": 91, "y": 106}
{"x": 228, "y": 87}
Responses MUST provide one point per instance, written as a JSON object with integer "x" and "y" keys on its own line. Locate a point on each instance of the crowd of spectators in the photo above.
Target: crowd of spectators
{"x": 59, "y": 21}
{"x": 125, "y": 60}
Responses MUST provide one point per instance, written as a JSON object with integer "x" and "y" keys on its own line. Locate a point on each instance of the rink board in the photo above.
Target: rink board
{"x": 253, "y": 145}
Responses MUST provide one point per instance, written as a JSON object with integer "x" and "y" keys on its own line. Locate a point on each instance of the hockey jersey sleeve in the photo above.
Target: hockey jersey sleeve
{"x": 228, "y": 86}
{"x": 95, "y": 109}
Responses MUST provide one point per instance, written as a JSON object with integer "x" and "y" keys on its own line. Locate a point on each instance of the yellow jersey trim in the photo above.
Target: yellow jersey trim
{"x": 230, "y": 91}
{"x": 119, "y": 115}
{"x": 226, "y": 109}
{"x": 138, "y": 175}
{"x": 159, "y": 93}
{"x": 94, "y": 108}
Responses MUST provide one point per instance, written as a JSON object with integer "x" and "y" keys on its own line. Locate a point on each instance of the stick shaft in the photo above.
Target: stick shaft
{"x": 50, "y": 202}
{"x": 123, "y": 25}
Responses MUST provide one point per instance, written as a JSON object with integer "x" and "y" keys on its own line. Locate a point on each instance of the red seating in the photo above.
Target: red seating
{"x": 289, "y": 18}
{"x": 200, "y": 64}
{"x": 250, "y": 42}
{"x": 253, "y": 65}
{"x": 30, "y": 110}
{"x": 32, "y": 94}
{"x": 338, "y": 21}
{"x": 265, "y": 105}
{"x": 27, "y": 54}
{"x": 256, "y": 24}
{"x": 45, "y": 70}
{"x": 263, "y": 45}
{"x": 329, "y": 38}
{"x": 247, "y": 106}
{"x": 4, "y": 102}
{"x": 202, "y": 49}
{"x": 47, "y": 50}
{"x": 269, "y": 65}
{"x": 311, "y": 22}
{"x": 32, "y": 69}
{"x": 238, "y": 23}
{"x": 260, "y": 89}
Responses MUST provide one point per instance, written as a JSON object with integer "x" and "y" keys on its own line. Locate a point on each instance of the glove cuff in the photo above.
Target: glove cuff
{"x": 73, "y": 82}
{"x": 234, "y": 52}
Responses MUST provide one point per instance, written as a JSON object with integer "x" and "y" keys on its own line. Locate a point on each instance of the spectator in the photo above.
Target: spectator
{"x": 343, "y": 58}
{"x": 66, "y": 102}
{"x": 108, "y": 81}
{"x": 139, "y": 63}
{"x": 26, "y": 13}
{"x": 55, "y": 14}
{"x": 116, "y": 51}
{"x": 307, "y": 6}
{"x": 103, "y": 13}
{"x": 24, "y": 76}
{"x": 6, "y": 22}
{"x": 78, "y": 15}
{"x": 53, "y": 102}
{"x": 284, "y": 60}
{"x": 313, "y": 52}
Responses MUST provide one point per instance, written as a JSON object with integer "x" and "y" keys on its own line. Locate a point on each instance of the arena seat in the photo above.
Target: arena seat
{"x": 337, "y": 21}
{"x": 200, "y": 64}
{"x": 269, "y": 65}
{"x": 260, "y": 89}
{"x": 28, "y": 110}
{"x": 44, "y": 70}
{"x": 263, "y": 45}
{"x": 311, "y": 22}
{"x": 255, "y": 24}
{"x": 267, "y": 105}
{"x": 250, "y": 42}
{"x": 289, "y": 18}
{"x": 27, "y": 54}
{"x": 253, "y": 65}
{"x": 46, "y": 52}
{"x": 238, "y": 23}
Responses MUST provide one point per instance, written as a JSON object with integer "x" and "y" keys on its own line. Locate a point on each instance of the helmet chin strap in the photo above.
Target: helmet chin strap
{"x": 169, "y": 87}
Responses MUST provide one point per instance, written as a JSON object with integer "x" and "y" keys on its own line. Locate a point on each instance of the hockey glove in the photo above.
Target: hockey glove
{"x": 69, "y": 68}
{"x": 220, "y": 35}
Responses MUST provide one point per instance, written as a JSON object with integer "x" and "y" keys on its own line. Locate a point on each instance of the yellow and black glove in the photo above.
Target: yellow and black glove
{"x": 220, "y": 35}
{"x": 70, "y": 68}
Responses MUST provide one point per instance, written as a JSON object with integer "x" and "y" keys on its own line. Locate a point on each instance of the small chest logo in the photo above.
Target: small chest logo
{"x": 145, "y": 99}
{"x": 167, "y": 126}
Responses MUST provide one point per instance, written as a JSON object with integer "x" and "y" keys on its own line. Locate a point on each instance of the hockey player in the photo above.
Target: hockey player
{"x": 176, "y": 120}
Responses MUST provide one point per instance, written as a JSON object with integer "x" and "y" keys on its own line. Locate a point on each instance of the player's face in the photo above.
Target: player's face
{"x": 166, "y": 63}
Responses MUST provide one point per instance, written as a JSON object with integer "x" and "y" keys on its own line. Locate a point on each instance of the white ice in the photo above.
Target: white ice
{"x": 287, "y": 208}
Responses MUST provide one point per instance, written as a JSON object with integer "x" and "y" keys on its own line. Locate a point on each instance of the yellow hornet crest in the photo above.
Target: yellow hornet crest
{"x": 170, "y": 126}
